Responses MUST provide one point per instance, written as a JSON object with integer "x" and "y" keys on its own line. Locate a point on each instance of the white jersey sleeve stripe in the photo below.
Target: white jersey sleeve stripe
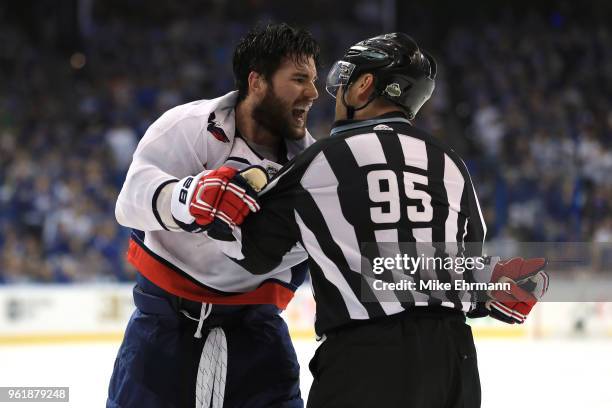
{"x": 331, "y": 272}
{"x": 454, "y": 184}
{"x": 328, "y": 202}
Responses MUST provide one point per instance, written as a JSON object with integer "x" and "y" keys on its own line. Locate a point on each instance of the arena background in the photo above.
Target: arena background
{"x": 524, "y": 94}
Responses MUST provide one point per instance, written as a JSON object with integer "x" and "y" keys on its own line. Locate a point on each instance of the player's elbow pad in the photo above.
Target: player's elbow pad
{"x": 120, "y": 214}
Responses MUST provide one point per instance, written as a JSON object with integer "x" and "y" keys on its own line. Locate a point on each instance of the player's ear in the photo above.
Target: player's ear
{"x": 257, "y": 83}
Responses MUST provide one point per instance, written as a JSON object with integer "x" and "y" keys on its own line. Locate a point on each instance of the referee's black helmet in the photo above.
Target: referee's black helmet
{"x": 404, "y": 74}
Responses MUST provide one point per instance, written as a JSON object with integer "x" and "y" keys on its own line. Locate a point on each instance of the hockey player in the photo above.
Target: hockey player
{"x": 379, "y": 180}
{"x": 206, "y": 332}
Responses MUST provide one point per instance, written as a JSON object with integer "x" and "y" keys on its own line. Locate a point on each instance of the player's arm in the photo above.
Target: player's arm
{"x": 169, "y": 150}
{"x": 268, "y": 240}
{"x": 526, "y": 278}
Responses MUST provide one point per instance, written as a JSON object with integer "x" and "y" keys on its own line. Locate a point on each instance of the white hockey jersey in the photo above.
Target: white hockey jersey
{"x": 185, "y": 141}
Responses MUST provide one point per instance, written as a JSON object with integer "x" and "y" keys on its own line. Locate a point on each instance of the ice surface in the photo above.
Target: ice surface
{"x": 514, "y": 373}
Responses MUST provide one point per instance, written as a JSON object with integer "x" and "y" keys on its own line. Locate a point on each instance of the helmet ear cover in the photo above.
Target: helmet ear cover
{"x": 409, "y": 93}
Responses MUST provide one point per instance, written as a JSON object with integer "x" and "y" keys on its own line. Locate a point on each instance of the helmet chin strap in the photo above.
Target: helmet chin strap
{"x": 350, "y": 110}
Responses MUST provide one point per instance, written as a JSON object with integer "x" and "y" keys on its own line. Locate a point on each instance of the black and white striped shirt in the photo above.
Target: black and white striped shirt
{"x": 373, "y": 181}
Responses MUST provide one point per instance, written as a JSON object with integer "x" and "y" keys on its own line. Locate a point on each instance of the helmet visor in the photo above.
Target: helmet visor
{"x": 338, "y": 76}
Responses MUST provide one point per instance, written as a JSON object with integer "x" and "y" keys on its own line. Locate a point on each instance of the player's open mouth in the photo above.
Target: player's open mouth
{"x": 299, "y": 112}
{"x": 299, "y": 115}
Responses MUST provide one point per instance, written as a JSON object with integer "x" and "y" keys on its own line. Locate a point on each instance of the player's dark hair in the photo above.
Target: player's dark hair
{"x": 263, "y": 49}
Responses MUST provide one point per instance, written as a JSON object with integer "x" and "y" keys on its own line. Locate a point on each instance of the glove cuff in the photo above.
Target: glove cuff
{"x": 182, "y": 195}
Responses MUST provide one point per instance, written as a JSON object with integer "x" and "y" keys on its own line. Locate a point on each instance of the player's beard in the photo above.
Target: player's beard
{"x": 275, "y": 115}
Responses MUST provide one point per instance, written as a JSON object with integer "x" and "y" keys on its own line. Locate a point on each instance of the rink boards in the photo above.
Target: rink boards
{"x": 99, "y": 312}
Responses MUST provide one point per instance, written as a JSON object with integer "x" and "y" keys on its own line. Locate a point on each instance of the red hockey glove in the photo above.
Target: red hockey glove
{"x": 528, "y": 283}
{"x": 218, "y": 199}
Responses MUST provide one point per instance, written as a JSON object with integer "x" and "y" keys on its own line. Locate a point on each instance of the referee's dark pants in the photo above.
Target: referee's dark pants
{"x": 421, "y": 358}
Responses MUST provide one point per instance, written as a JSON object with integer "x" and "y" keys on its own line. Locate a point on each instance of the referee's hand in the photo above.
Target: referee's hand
{"x": 528, "y": 283}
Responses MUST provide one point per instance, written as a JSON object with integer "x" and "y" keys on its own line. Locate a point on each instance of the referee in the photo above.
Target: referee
{"x": 380, "y": 180}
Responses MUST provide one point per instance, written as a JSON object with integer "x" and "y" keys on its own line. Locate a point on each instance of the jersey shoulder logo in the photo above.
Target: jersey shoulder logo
{"x": 383, "y": 127}
{"x": 216, "y": 130}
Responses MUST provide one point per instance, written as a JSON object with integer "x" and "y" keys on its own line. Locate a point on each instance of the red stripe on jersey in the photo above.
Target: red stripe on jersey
{"x": 171, "y": 281}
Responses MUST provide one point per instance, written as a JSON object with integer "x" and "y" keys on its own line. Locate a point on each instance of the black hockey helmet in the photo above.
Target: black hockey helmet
{"x": 404, "y": 74}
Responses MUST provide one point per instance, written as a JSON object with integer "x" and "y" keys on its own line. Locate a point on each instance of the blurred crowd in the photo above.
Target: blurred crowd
{"x": 526, "y": 102}
{"x": 537, "y": 96}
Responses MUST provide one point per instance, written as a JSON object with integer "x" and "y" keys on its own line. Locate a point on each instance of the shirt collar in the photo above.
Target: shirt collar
{"x": 343, "y": 125}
